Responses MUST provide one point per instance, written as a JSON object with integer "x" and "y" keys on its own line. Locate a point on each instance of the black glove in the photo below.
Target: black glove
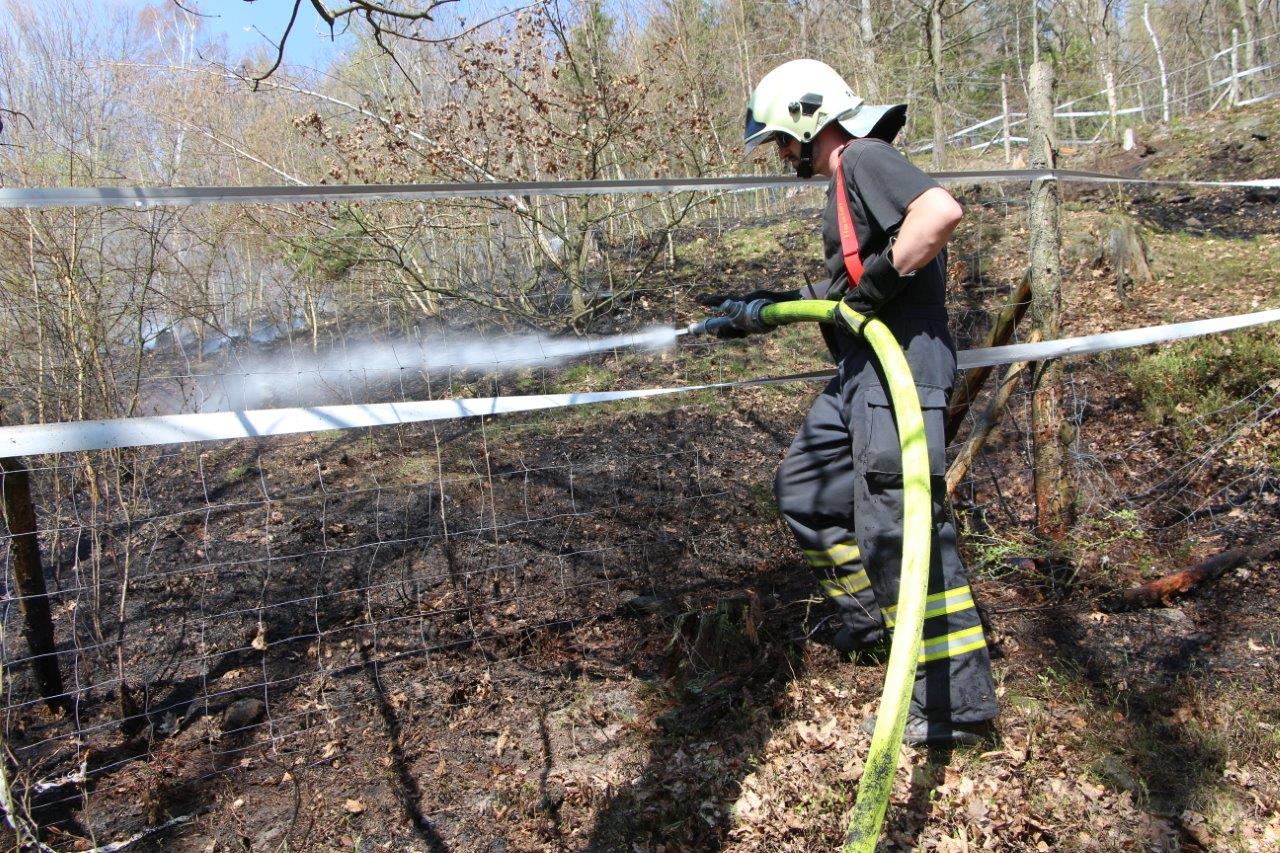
{"x": 735, "y": 308}
{"x": 881, "y": 283}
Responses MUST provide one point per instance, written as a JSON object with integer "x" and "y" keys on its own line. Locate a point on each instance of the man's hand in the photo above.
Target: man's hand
{"x": 734, "y": 308}
{"x": 881, "y": 283}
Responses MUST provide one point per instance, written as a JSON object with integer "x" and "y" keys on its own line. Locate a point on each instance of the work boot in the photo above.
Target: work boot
{"x": 850, "y": 641}
{"x": 921, "y": 732}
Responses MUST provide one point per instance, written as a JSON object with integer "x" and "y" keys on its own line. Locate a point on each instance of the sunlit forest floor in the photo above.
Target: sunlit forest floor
{"x": 680, "y": 693}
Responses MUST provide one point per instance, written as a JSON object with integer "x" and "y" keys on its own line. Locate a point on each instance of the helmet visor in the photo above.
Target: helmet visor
{"x": 754, "y": 129}
{"x": 756, "y": 132}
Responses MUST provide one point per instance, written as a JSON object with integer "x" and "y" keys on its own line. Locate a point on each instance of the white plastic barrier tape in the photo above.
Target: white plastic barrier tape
{"x": 1090, "y": 344}
{"x": 220, "y": 426}
{"x": 145, "y": 196}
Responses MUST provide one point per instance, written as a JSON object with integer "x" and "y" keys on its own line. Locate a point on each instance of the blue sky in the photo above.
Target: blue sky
{"x": 248, "y": 26}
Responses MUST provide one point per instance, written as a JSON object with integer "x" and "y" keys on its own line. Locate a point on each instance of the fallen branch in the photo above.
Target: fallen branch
{"x": 1001, "y": 331}
{"x": 1160, "y": 592}
{"x": 986, "y": 423}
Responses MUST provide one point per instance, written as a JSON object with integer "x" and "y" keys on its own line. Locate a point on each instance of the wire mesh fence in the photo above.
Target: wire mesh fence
{"x": 420, "y": 603}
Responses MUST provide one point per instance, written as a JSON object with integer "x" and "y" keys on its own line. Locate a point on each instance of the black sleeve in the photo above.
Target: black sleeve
{"x": 885, "y": 181}
{"x": 816, "y": 290}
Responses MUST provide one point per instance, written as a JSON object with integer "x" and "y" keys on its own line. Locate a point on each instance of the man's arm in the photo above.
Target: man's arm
{"x": 925, "y": 229}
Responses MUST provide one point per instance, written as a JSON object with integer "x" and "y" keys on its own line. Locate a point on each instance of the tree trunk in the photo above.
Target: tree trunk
{"x": 864, "y": 23}
{"x": 1250, "y": 40}
{"x": 1004, "y": 118}
{"x": 1035, "y": 31}
{"x": 1113, "y": 99}
{"x": 934, "y": 34}
{"x": 867, "y": 31}
{"x": 28, "y": 578}
{"x": 1164, "y": 73}
{"x": 1051, "y": 435}
{"x": 1234, "y": 87}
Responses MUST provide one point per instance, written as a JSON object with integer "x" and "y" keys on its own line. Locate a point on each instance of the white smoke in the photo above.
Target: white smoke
{"x": 350, "y": 374}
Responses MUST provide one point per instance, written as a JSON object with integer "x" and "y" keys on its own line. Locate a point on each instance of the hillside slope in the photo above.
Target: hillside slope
{"x": 589, "y": 629}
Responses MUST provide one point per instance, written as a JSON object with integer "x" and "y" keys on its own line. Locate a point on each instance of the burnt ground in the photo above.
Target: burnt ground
{"x": 590, "y": 631}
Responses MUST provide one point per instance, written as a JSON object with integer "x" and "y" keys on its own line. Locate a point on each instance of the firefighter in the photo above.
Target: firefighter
{"x": 885, "y": 230}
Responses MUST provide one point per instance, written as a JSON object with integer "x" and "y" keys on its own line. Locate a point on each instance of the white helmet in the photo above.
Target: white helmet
{"x": 801, "y": 97}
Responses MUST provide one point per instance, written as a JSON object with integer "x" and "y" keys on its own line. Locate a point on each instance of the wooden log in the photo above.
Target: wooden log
{"x": 1160, "y": 592}
{"x": 1001, "y": 331}
{"x": 986, "y": 424}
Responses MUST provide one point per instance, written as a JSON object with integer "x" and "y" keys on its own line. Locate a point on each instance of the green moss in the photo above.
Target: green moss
{"x": 1188, "y": 262}
{"x": 1199, "y": 382}
{"x": 584, "y": 376}
{"x": 238, "y": 472}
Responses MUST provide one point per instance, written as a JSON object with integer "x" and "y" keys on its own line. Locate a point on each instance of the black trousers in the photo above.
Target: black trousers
{"x": 840, "y": 490}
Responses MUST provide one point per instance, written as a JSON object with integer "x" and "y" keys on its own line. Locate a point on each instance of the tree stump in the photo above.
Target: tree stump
{"x": 722, "y": 641}
{"x": 1124, "y": 252}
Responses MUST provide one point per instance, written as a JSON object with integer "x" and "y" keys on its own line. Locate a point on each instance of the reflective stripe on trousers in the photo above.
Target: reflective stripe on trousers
{"x": 840, "y": 491}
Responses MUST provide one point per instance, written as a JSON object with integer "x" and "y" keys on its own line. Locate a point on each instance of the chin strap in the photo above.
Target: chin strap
{"x": 804, "y": 169}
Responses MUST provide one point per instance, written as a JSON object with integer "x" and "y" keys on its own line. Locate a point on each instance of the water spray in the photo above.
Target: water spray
{"x": 301, "y": 377}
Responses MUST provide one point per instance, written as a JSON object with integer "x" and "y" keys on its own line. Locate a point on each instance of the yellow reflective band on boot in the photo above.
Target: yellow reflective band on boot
{"x": 938, "y": 604}
{"x": 836, "y": 555}
{"x": 953, "y": 644}
{"x": 847, "y": 585}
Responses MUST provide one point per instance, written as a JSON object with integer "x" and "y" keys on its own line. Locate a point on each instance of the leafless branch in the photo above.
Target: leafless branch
{"x": 191, "y": 11}
{"x": 379, "y": 18}
{"x": 280, "y": 47}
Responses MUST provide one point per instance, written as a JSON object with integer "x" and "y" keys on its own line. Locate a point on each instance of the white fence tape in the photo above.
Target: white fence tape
{"x": 1090, "y": 344}
{"x": 1248, "y": 72}
{"x": 162, "y": 430}
{"x": 146, "y": 196}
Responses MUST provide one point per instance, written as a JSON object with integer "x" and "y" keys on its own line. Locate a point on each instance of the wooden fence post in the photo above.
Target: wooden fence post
{"x": 28, "y": 578}
{"x": 1053, "y": 490}
{"x": 1004, "y": 121}
{"x": 1235, "y": 69}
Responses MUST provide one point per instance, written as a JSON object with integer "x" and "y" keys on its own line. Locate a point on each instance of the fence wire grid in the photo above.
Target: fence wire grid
{"x": 420, "y": 601}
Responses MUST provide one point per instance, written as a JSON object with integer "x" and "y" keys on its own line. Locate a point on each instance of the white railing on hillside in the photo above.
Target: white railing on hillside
{"x": 1220, "y": 89}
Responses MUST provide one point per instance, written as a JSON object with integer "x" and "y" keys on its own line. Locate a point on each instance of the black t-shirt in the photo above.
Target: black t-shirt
{"x": 881, "y": 183}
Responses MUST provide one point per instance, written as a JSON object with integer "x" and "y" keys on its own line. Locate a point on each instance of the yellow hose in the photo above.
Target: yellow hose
{"x": 917, "y": 534}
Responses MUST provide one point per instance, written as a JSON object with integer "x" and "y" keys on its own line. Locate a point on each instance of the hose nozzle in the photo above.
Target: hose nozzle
{"x": 708, "y": 326}
{"x": 740, "y": 315}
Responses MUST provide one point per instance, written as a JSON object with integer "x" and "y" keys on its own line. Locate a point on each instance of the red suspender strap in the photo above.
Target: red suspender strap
{"x": 848, "y": 234}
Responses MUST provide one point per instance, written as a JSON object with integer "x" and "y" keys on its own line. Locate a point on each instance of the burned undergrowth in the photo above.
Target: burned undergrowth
{"x": 589, "y": 629}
